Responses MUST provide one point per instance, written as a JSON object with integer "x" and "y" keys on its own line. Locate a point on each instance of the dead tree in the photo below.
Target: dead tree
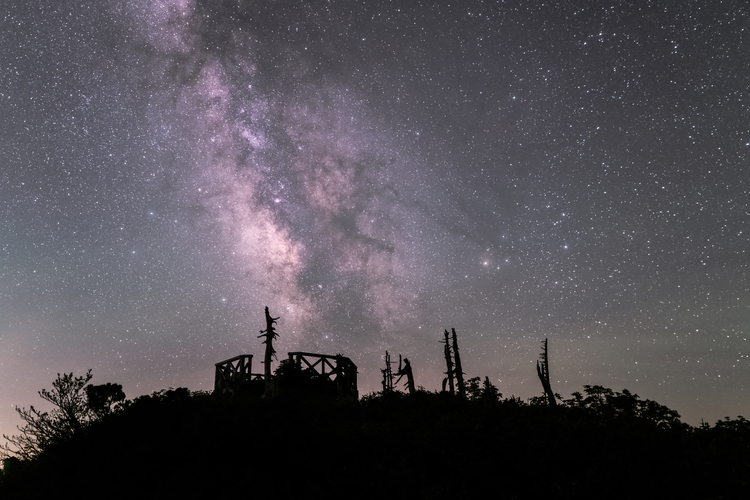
{"x": 459, "y": 371}
{"x": 387, "y": 374}
{"x": 270, "y": 335}
{"x": 449, "y": 364}
{"x": 542, "y": 369}
{"x": 405, "y": 370}
{"x": 490, "y": 392}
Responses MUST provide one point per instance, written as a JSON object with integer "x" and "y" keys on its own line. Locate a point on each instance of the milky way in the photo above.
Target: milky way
{"x": 375, "y": 174}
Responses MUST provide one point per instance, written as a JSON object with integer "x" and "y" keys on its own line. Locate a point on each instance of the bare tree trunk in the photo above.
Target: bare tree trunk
{"x": 449, "y": 363}
{"x": 459, "y": 370}
{"x": 387, "y": 374}
{"x": 270, "y": 334}
{"x": 543, "y": 371}
{"x": 406, "y": 370}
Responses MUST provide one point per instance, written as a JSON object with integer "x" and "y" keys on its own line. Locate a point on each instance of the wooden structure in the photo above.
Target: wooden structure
{"x": 235, "y": 375}
{"x": 336, "y": 368}
{"x": 323, "y": 374}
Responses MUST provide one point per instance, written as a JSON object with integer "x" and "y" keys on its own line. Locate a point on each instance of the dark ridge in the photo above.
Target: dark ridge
{"x": 177, "y": 444}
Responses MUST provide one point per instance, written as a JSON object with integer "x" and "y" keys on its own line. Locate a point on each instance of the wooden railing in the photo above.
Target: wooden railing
{"x": 336, "y": 368}
{"x": 235, "y": 372}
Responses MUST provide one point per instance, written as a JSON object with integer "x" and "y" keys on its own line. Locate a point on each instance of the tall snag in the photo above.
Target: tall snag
{"x": 405, "y": 370}
{"x": 270, "y": 334}
{"x": 387, "y": 374}
{"x": 459, "y": 370}
{"x": 448, "y": 363}
{"x": 543, "y": 371}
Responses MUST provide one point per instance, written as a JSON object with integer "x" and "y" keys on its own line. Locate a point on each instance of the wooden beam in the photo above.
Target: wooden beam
{"x": 301, "y": 355}
{"x": 327, "y": 356}
{"x": 234, "y": 359}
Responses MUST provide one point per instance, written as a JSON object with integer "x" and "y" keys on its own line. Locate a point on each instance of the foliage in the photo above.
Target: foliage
{"x": 543, "y": 399}
{"x": 490, "y": 392}
{"x": 740, "y": 424}
{"x": 486, "y": 392}
{"x": 474, "y": 391}
{"x": 599, "y": 444}
{"x": 101, "y": 398}
{"x": 293, "y": 381}
{"x": 76, "y": 405}
{"x": 609, "y": 404}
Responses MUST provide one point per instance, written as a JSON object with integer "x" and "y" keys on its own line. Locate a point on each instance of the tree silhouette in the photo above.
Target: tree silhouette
{"x": 588, "y": 452}
{"x": 76, "y": 405}
{"x": 270, "y": 335}
{"x": 449, "y": 364}
{"x": 485, "y": 392}
{"x": 101, "y": 398}
{"x": 490, "y": 392}
{"x": 459, "y": 370}
{"x": 405, "y": 370}
{"x": 387, "y": 374}
{"x": 542, "y": 369}
{"x": 610, "y": 404}
{"x": 474, "y": 390}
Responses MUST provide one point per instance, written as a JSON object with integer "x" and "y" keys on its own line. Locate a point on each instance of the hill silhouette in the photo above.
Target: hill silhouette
{"x": 178, "y": 444}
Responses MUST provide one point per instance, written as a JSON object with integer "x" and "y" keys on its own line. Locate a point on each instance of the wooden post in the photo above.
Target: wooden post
{"x": 459, "y": 370}
{"x": 543, "y": 371}
{"x": 342, "y": 378}
{"x": 270, "y": 334}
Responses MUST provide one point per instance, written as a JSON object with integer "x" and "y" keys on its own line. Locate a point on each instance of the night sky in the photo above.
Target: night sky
{"x": 374, "y": 173}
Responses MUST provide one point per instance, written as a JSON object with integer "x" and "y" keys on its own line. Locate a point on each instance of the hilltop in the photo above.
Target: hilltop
{"x": 178, "y": 444}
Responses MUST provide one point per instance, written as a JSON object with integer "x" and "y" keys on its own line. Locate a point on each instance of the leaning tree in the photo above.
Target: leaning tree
{"x": 542, "y": 369}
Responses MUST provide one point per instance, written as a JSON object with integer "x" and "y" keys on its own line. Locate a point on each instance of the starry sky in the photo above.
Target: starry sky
{"x": 374, "y": 173}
